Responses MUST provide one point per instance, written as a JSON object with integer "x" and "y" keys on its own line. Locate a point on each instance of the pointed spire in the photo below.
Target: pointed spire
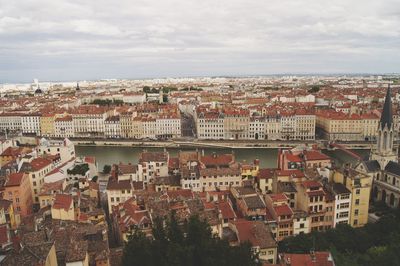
{"x": 387, "y": 117}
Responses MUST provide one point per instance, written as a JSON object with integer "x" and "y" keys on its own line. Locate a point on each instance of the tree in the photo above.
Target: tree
{"x": 107, "y": 169}
{"x": 189, "y": 243}
{"x": 314, "y": 89}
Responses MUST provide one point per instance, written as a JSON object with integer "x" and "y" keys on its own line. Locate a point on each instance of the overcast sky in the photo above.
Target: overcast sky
{"x": 75, "y": 40}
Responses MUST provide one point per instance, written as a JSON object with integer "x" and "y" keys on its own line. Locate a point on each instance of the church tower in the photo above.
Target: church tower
{"x": 384, "y": 152}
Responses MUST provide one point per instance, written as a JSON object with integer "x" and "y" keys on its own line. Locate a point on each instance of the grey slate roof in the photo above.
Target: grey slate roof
{"x": 393, "y": 168}
{"x": 387, "y": 116}
{"x": 372, "y": 165}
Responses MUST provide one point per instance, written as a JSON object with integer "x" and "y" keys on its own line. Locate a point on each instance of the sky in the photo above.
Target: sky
{"x": 64, "y": 40}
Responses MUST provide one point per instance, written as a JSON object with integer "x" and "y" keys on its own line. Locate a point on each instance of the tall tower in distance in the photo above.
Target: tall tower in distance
{"x": 383, "y": 151}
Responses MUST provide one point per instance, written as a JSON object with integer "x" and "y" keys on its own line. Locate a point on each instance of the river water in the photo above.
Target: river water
{"x": 268, "y": 157}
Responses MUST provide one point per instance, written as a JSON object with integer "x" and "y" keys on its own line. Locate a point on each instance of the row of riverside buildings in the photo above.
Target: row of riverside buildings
{"x": 92, "y": 121}
{"x": 237, "y": 123}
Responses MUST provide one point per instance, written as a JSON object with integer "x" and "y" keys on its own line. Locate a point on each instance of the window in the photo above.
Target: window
{"x": 358, "y": 191}
{"x": 355, "y": 222}
{"x": 357, "y": 202}
{"x": 356, "y": 212}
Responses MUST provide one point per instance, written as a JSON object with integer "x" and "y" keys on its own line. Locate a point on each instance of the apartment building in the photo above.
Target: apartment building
{"x": 347, "y": 127}
{"x": 10, "y": 122}
{"x": 89, "y": 120}
{"x": 281, "y": 215}
{"x": 359, "y": 185}
{"x": 31, "y": 124}
{"x": 64, "y": 127}
{"x": 112, "y": 127}
{"x": 37, "y": 169}
{"x": 210, "y": 125}
{"x": 47, "y": 121}
{"x": 342, "y": 206}
{"x": 153, "y": 164}
{"x": 17, "y": 189}
{"x": 65, "y": 149}
{"x": 311, "y": 199}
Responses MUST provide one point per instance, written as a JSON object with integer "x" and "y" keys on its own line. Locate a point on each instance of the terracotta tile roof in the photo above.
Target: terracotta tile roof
{"x": 39, "y": 163}
{"x": 182, "y": 193}
{"x": 278, "y": 197}
{"x": 266, "y": 173}
{"x": 255, "y": 232}
{"x": 315, "y": 155}
{"x": 217, "y": 160}
{"x": 62, "y": 201}
{"x": 311, "y": 184}
{"x": 226, "y": 210}
{"x": 320, "y": 258}
{"x": 14, "y": 179}
{"x": 153, "y": 157}
{"x": 118, "y": 185}
{"x": 283, "y": 210}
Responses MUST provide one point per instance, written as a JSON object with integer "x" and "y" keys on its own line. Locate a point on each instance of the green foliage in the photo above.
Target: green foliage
{"x": 147, "y": 89}
{"x": 107, "y": 102}
{"x": 107, "y": 169}
{"x": 189, "y": 244}
{"x": 314, "y": 89}
{"x": 94, "y": 179}
{"x": 169, "y": 89}
{"x": 79, "y": 169}
{"x": 373, "y": 244}
{"x": 192, "y": 89}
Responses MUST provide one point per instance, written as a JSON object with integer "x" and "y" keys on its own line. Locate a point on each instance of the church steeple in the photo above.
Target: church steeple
{"x": 387, "y": 116}
{"x": 384, "y": 152}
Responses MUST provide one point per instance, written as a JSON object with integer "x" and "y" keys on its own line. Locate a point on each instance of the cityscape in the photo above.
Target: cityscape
{"x": 332, "y": 145}
{"x": 199, "y": 133}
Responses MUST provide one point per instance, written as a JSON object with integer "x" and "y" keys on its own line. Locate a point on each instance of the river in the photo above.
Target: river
{"x": 268, "y": 157}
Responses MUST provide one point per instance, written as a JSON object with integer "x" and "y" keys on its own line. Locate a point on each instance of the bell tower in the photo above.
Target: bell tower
{"x": 383, "y": 151}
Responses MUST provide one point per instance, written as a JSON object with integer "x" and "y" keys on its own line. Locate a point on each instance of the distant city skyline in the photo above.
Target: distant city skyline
{"x": 67, "y": 41}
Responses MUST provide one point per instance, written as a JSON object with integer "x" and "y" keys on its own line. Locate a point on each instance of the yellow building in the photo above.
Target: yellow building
{"x": 360, "y": 187}
{"x": 250, "y": 170}
{"x": 341, "y": 126}
{"x": 7, "y": 214}
{"x": 37, "y": 168}
{"x": 63, "y": 208}
{"x": 47, "y": 124}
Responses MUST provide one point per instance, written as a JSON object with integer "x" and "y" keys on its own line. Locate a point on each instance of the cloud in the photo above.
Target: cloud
{"x": 85, "y": 39}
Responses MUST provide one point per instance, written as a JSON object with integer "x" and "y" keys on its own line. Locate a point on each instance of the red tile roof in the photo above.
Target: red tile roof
{"x": 311, "y": 184}
{"x": 278, "y": 197}
{"x": 14, "y": 179}
{"x": 40, "y": 163}
{"x": 184, "y": 193}
{"x": 217, "y": 160}
{"x": 320, "y": 258}
{"x": 283, "y": 210}
{"x": 226, "y": 210}
{"x": 62, "y": 201}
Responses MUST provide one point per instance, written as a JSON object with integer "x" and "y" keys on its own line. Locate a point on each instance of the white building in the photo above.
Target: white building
{"x": 65, "y": 148}
{"x": 31, "y": 124}
{"x": 154, "y": 164}
{"x": 168, "y": 127}
{"x": 342, "y": 206}
{"x": 64, "y": 127}
{"x": 10, "y": 122}
{"x": 112, "y": 127}
{"x": 210, "y": 125}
